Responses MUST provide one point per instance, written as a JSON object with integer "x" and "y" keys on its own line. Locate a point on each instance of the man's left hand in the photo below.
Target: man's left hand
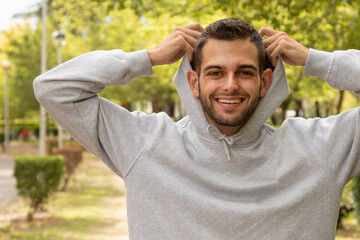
{"x": 279, "y": 44}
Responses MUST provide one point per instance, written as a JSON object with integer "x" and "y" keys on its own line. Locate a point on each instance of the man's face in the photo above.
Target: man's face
{"x": 229, "y": 84}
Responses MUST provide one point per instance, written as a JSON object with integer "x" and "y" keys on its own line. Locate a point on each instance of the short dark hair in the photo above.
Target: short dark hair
{"x": 229, "y": 29}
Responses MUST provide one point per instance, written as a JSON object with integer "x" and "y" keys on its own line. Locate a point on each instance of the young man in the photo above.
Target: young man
{"x": 220, "y": 172}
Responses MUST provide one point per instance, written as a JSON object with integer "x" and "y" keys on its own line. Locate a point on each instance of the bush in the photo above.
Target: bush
{"x": 53, "y": 142}
{"x": 72, "y": 158}
{"x": 50, "y": 143}
{"x": 356, "y": 195}
{"x": 37, "y": 177}
{"x": 73, "y": 143}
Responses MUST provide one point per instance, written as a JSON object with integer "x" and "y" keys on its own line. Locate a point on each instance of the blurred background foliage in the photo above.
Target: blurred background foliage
{"x": 133, "y": 25}
{"x": 142, "y": 24}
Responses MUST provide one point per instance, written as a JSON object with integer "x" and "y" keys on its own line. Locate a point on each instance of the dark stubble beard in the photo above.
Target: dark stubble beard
{"x": 237, "y": 121}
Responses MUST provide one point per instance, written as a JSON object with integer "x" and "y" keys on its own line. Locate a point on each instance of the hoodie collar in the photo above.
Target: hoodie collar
{"x": 276, "y": 94}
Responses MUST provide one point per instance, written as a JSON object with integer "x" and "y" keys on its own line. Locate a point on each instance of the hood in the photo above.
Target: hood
{"x": 276, "y": 94}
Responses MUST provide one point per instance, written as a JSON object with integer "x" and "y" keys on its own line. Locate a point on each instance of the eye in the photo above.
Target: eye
{"x": 214, "y": 73}
{"x": 245, "y": 74}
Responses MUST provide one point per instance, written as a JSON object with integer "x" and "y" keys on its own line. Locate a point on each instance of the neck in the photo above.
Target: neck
{"x": 228, "y": 131}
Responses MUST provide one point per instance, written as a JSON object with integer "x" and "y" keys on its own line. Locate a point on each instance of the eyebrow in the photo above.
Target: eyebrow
{"x": 242, "y": 66}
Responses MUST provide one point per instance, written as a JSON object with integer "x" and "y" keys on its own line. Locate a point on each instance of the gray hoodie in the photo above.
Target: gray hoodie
{"x": 186, "y": 180}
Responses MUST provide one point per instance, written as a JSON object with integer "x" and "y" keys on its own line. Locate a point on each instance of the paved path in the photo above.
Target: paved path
{"x": 8, "y": 192}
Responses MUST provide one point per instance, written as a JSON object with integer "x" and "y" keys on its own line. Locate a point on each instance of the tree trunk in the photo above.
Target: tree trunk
{"x": 340, "y": 101}
{"x": 126, "y": 105}
{"x": 30, "y": 216}
{"x": 299, "y": 109}
{"x": 284, "y": 106}
{"x": 35, "y": 206}
{"x": 66, "y": 180}
{"x": 317, "y": 107}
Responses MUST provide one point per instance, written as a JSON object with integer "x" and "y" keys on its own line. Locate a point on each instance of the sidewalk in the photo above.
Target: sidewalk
{"x": 8, "y": 192}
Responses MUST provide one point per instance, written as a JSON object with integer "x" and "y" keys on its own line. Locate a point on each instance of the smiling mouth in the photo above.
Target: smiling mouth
{"x": 230, "y": 101}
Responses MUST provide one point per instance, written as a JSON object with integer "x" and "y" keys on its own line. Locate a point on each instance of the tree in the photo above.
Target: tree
{"x": 324, "y": 25}
{"x": 22, "y": 49}
{"x": 142, "y": 24}
{"x": 37, "y": 178}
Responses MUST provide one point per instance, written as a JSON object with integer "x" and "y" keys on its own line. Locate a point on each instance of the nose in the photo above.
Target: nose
{"x": 230, "y": 83}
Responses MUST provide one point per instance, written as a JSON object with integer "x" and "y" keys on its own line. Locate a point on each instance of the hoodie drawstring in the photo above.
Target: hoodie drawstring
{"x": 226, "y": 146}
{"x": 223, "y": 138}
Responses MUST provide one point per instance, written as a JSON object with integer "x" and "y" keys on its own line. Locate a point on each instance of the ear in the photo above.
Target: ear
{"x": 193, "y": 81}
{"x": 266, "y": 80}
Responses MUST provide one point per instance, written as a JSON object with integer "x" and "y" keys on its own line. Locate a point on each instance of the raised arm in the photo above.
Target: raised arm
{"x": 69, "y": 94}
{"x": 340, "y": 69}
{"x": 333, "y": 141}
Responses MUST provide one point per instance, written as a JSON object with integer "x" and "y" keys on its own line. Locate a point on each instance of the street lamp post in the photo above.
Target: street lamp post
{"x": 6, "y": 66}
{"x": 42, "y": 135}
{"x": 59, "y": 40}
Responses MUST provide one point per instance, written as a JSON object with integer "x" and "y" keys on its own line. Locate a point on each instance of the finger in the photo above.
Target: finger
{"x": 191, "y": 36}
{"x": 271, "y": 45}
{"x": 185, "y": 47}
{"x": 264, "y": 31}
{"x": 273, "y": 50}
{"x": 274, "y": 55}
{"x": 188, "y": 45}
{"x": 194, "y": 26}
{"x": 188, "y": 33}
{"x": 274, "y": 38}
{"x": 190, "y": 39}
{"x": 189, "y": 50}
{"x": 184, "y": 43}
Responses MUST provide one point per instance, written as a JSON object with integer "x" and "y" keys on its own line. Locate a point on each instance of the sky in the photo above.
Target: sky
{"x": 10, "y": 7}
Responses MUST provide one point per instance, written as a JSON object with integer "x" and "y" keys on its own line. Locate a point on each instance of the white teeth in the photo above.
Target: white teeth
{"x": 230, "y": 101}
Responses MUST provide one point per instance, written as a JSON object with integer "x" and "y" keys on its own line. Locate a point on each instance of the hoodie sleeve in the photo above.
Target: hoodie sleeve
{"x": 336, "y": 139}
{"x": 340, "y": 69}
{"x": 69, "y": 94}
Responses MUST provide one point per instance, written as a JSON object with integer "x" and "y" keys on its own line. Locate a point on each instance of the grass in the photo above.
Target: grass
{"x": 93, "y": 207}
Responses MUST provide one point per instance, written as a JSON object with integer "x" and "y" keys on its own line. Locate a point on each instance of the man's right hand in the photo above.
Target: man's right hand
{"x": 181, "y": 40}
